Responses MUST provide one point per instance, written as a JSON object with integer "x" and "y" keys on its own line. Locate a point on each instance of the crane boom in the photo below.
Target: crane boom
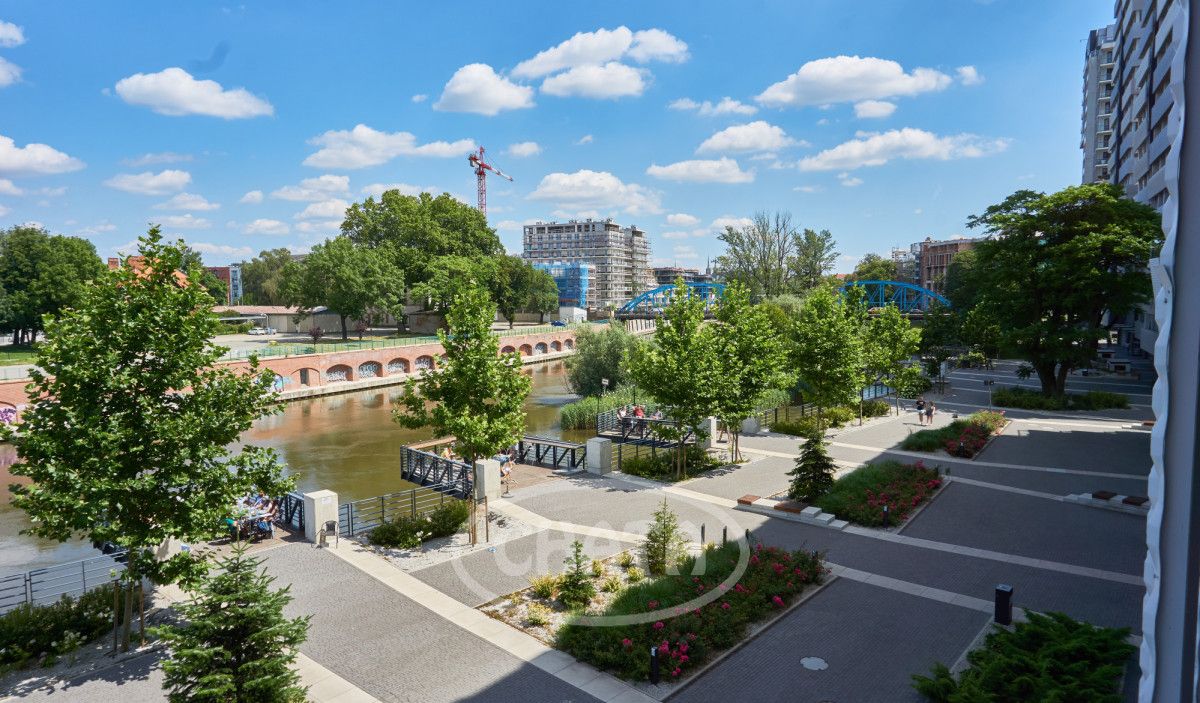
{"x": 481, "y": 167}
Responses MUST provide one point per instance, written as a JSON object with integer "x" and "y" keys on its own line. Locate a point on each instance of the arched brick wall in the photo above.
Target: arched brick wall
{"x": 424, "y": 363}
{"x": 370, "y": 369}
{"x": 508, "y": 349}
{"x": 338, "y": 373}
{"x": 556, "y": 346}
{"x": 526, "y": 350}
{"x": 398, "y": 365}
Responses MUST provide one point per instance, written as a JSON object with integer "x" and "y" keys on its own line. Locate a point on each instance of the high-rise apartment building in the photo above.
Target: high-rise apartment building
{"x": 620, "y": 256}
{"x": 666, "y": 275}
{"x": 1128, "y": 134}
{"x": 575, "y": 281}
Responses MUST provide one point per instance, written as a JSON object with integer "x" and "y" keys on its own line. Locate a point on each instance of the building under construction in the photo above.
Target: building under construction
{"x": 619, "y": 257}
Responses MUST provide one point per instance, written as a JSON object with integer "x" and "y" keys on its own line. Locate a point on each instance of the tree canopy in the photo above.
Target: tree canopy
{"x": 41, "y": 274}
{"x": 816, "y": 253}
{"x": 516, "y": 285}
{"x": 826, "y": 348}
{"x": 1054, "y": 264}
{"x": 874, "y": 267}
{"x": 601, "y": 354}
{"x": 352, "y": 281}
{"x": 771, "y": 257}
{"x": 263, "y": 278}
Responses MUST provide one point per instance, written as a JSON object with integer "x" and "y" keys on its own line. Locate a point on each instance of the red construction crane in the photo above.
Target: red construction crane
{"x": 481, "y": 168}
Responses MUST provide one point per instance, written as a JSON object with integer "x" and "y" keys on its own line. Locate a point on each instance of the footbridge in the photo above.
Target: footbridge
{"x": 910, "y": 298}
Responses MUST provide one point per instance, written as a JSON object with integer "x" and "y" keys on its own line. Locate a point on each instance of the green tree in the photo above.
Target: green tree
{"x": 961, "y": 283}
{"x": 518, "y": 286}
{"x": 351, "y": 281}
{"x": 826, "y": 350}
{"x": 941, "y": 334}
{"x": 543, "y": 294}
{"x": 979, "y": 330}
{"x": 575, "y": 587}
{"x": 1054, "y": 264}
{"x": 749, "y": 360}
{"x": 128, "y": 439}
{"x": 263, "y": 277}
{"x": 42, "y": 274}
{"x": 234, "y": 644}
{"x": 215, "y": 287}
{"x": 889, "y": 343}
{"x": 874, "y": 267}
{"x": 816, "y": 253}
{"x": 812, "y": 476}
{"x": 664, "y": 545}
{"x": 601, "y": 354}
{"x": 454, "y": 275}
{"x": 476, "y": 395}
{"x": 761, "y": 255}
{"x": 678, "y": 368}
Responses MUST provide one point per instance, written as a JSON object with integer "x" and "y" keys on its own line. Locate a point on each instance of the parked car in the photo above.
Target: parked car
{"x": 257, "y": 331}
{"x": 271, "y": 330}
{"x": 558, "y": 323}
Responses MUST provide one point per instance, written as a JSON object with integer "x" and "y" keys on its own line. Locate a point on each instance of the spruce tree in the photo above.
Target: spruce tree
{"x": 664, "y": 545}
{"x": 235, "y": 644}
{"x": 813, "y": 475}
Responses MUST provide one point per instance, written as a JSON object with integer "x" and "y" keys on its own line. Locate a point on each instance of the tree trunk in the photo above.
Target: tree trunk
{"x": 127, "y": 626}
{"x": 1060, "y": 380}
{"x": 1046, "y": 377}
{"x": 345, "y": 332}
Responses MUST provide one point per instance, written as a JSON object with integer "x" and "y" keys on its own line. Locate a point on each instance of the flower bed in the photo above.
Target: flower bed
{"x": 43, "y": 633}
{"x": 831, "y": 417}
{"x": 964, "y": 438}
{"x": 686, "y": 634}
{"x": 861, "y": 495}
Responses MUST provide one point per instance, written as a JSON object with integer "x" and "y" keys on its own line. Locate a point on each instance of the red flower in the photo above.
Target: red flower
{"x": 684, "y": 658}
{"x": 724, "y": 606}
{"x": 777, "y": 601}
{"x": 675, "y": 672}
{"x": 626, "y": 643}
{"x": 652, "y": 604}
{"x": 658, "y": 625}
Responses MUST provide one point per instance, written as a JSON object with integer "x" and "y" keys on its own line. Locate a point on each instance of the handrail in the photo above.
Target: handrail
{"x": 358, "y": 516}
{"x": 550, "y": 452}
{"x": 426, "y": 468}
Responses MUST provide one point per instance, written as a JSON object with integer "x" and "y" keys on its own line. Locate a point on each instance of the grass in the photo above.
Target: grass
{"x": 12, "y": 354}
{"x": 861, "y": 495}
{"x": 1025, "y": 399}
{"x": 688, "y": 632}
{"x": 1049, "y": 658}
{"x": 581, "y": 415}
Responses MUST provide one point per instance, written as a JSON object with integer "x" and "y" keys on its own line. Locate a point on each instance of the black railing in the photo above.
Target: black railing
{"x": 426, "y": 469}
{"x": 624, "y": 451}
{"x": 554, "y": 453}
{"x": 49, "y": 584}
{"x": 291, "y": 512}
{"x": 359, "y": 516}
{"x": 629, "y": 428}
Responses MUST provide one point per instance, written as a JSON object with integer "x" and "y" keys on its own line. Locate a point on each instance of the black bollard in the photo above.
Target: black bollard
{"x": 701, "y": 534}
{"x": 724, "y": 534}
{"x": 1004, "y": 593}
{"x": 886, "y": 517}
{"x": 748, "y": 535}
{"x": 654, "y": 665}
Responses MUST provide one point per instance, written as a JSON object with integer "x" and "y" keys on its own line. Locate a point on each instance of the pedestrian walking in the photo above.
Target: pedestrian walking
{"x": 921, "y": 410}
{"x": 929, "y": 414}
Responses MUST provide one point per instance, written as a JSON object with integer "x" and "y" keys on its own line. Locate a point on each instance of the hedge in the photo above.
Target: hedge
{"x": 1025, "y": 399}
{"x": 408, "y": 532}
{"x": 43, "y": 633}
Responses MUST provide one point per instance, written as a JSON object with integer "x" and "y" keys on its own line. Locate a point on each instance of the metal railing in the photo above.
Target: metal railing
{"x": 623, "y": 452}
{"x": 554, "y": 453}
{"x": 291, "y": 512}
{"x": 426, "y": 469}
{"x": 49, "y": 584}
{"x": 358, "y": 516}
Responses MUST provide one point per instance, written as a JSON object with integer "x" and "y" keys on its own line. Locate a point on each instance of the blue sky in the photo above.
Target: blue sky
{"x": 238, "y": 126}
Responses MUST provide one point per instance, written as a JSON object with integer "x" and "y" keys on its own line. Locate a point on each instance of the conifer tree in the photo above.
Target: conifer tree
{"x": 813, "y": 475}
{"x": 664, "y": 544}
{"x": 235, "y": 645}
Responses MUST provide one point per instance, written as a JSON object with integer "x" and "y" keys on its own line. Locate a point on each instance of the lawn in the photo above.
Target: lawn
{"x": 963, "y": 438}
{"x": 12, "y": 354}
{"x": 860, "y": 496}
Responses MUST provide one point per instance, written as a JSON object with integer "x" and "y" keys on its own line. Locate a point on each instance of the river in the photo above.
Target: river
{"x": 346, "y": 443}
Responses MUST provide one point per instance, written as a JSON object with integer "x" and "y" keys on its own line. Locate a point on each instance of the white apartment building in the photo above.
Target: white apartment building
{"x": 620, "y": 256}
{"x": 1127, "y": 137}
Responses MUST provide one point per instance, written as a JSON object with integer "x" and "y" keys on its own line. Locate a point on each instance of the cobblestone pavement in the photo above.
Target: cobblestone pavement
{"x": 1072, "y": 447}
{"x": 870, "y": 639}
{"x": 137, "y": 680}
{"x": 395, "y": 649}
{"x": 980, "y": 517}
{"x": 761, "y": 476}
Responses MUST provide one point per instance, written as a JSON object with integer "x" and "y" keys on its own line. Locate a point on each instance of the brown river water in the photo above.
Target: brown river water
{"x": 346, "y": 443}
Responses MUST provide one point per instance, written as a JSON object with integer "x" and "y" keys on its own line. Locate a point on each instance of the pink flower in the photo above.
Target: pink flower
{"x": 700, "y": 588}
{"x": 683, "y": 648}
{"x": 691, "y": 636}
{"x": 777, "y": 601}
{"x": 675, "y": 672}
{"x": 683, "y": 658}
{"x": 663, "y": 649}
{"x": 626, "y": 643}
{"x": 658, "y": 625}
{"x": 754, "y": 559}
{"x": 724, "y": 606}
{"x": 652, "y": 604}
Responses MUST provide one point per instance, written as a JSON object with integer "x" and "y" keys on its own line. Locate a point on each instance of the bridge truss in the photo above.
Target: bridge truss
{"x": 652, "y": 302}
{"x": 908, "y": 297}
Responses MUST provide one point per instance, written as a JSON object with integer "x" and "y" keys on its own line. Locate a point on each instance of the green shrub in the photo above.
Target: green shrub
{"x": 797, "y": 427}
{"x": 597, "y": 568}
{"x": 917, "y": 386}
{"x": 408, "y": 532}
{"x": 876, "y": 408}
{"x": 830, "y": 417}
{"x": 839, "y": 415}
{"x": 581, "y": 415}
{"x": 772, "y": 399}
{"x": 32, "y": 632}
{"x": 575, "y": 589}
{"x": 1049, "y": 658}
{"x": 660, "y": 464}
{"x": 612, "y": 584}
{"x": 860, "y": 495}
{"x": 1026, "y": 399}
{"x": 544, "y": 586}
{"x": 537, "y": 615}
{"x": 634, "y": 574}
{"x": 664, "y": 545}
{"x": 688, "y": 636}
{"x": 625, "y": 560}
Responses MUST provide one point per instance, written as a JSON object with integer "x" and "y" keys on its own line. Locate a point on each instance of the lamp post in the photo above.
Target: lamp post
{"x": 604, "y": 387}
{"x": 989, "y": 382}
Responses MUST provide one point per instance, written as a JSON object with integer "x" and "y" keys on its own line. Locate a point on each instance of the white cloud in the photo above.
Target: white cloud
{"x": 582, "y": 49}
{"x": 510, "y": 226}
{"x": 362, "y": 146}
{"x": 312, "y": 189}
{"x": 9, "y": 72}
{"x": 849, "y": 181}
{"x": 727, "y": 106}
{"x": 876, "y": 149}
{"x": 918, "y": 211}
{"x": 263, "y": 226}
{"x": 378, "y": 189}
{"x": 34, "y": 159}
{"x": 187, "y": 201}
{"x": 420, "y": 98}
{"x": 98, "y": 229}
{"x": 187, "y": 221}
{"x": 724, "y": 221}
{"x": 585, "y": 139}
{"x": 160, "y": 157}
{"x": 657, "y": 45}
{"x": 479, "y": 89}
{"x": 7, "y": 187}
{"x": 676, "y": 235}
{"x": 686, "y": 252}
{"x": 175, "y": 92}
{"x": 11, "y": 35}
{"x": 252, "y": 197}
{"x": 324, "y": 227}
{"x": 149, "y": 183}
{"x": 723, "y": 170}
{"x": 334, "y": 207}
{"x": 848, "y": 79}
{"x": 682, "y": 219}
{"x": 755, "y": 136}
{"x": 523, "y": 149}
{"x": 596, "y": 189}
{"x": 221, "y": 249}
{"x": 610, "y": 80}
{"x": 873, "y": 109}
{"x": 968, "y": 75}
{"x": 4, "y": 211}
{"x": 806, "y": 189}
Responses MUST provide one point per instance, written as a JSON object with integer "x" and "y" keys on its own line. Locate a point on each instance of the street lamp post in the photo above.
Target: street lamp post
{"x": 604, "y": 387}
{"x": 989, "y": 383}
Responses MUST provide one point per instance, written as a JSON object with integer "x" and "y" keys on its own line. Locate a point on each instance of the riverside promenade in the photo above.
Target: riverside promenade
{"x": 897, "y": 601}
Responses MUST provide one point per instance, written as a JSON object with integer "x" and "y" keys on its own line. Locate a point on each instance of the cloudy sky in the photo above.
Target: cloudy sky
{"x": 246, "y": 127}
